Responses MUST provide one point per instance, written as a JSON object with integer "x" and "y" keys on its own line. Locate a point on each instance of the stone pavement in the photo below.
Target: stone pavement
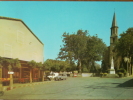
{"x": 18, "y": 85}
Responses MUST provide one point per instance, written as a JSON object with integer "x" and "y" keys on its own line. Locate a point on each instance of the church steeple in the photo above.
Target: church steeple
{"x": 114, "y": 23}
{"x": 114, "y": 27}
{"x": 113, "y": 37}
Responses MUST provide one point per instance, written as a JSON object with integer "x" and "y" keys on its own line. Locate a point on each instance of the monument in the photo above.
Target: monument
{"x": 112, "y": 70}
{"x": 112, "y": 73}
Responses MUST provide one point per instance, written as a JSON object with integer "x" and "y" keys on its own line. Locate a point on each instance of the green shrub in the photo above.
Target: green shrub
{"x": 105, "y": 74}
{"x": 75, "y": 71}
{"x": 121, "y": 74}
{"x": 122, "y": 71}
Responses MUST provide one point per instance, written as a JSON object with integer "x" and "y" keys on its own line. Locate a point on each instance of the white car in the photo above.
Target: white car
{"x": 61, "y": 77}
{"x": 52, "y": 76}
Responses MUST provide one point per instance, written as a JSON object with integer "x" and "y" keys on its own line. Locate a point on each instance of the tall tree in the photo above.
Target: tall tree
{"x": 105, "y": 60}
{"x": 74, "y": 47}
{"x": 81, "y": 47}
{"x": 124, "y": 46}
{"x": 95, "y": 49}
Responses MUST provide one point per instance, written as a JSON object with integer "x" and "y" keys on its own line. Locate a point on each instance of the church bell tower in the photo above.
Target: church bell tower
{"x": 113, "y": 38}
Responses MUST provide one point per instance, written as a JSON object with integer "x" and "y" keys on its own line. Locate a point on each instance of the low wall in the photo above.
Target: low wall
{"x": 87, "y": 74}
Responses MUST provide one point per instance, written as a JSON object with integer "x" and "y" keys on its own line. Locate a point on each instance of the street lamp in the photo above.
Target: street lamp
{"x": 126, "y": 59}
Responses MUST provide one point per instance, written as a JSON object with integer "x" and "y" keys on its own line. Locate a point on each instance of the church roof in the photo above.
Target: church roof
{"x": 114, "y": 23}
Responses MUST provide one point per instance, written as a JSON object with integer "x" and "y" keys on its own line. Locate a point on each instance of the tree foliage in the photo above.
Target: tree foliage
{"x": 10, "y": 63}
{"x": 124, "y": 47}
{"x": 32, "y": 64}
{"x": 56, "y": 65}
{"x": 40, "y": 65}
{"x": 82, "y": 48}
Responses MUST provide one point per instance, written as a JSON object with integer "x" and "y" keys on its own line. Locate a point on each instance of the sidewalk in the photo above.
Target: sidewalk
{"x": 19, "y": 85}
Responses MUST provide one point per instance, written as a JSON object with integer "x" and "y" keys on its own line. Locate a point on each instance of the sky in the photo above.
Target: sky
{"x": 48, "y": 20}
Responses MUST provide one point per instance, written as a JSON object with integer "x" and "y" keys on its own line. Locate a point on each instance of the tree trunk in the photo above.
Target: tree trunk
{"x": 20, "y": 69}
{"x": 131, "y": 66}
{"x": 79, "y": 65}
{"x": 39, "y": 73}
{"x": 1, "y": 86}
{"x": 30, "y": 75}
{"x": 42, "y": 76}
{"x": 93, "y": 67}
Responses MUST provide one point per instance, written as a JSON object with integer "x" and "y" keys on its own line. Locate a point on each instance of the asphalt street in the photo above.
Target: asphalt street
{"x": 76, "y": 88}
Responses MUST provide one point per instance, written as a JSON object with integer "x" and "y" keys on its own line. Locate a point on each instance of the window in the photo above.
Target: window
{"x": 113, "y": 40}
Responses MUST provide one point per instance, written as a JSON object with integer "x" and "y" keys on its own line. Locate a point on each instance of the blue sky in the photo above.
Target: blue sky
{"x": 50, "y": 19}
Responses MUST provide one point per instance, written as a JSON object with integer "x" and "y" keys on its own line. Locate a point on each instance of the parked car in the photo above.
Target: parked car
{"x": 61, "y": 77}
{"x": 52, "y": 76}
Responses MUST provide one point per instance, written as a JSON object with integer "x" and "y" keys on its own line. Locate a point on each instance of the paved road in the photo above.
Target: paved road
{"x": 76, "y": 88}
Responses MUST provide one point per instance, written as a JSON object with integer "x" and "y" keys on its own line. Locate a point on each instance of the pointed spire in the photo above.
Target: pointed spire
{"x": 114, "y": 23}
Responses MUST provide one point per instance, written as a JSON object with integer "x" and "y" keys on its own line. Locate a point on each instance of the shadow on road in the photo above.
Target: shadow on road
{"x": 128, "y": 83}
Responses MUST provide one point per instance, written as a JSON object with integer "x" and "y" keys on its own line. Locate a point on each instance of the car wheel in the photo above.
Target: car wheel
{"x": 50, "y": 79}
{"x": 55, "y": 79}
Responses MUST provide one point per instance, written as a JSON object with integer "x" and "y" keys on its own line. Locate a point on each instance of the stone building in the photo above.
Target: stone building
{"x": 110, "y": 54}
{"x": 113, "y": 40}
{"x": 18, "y": 41}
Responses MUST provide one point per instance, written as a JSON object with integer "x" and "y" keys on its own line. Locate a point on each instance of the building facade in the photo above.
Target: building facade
{"x": 18, "y": 41}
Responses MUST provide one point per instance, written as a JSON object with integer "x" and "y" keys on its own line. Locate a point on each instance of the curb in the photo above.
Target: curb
{"x": 22, "y": 85}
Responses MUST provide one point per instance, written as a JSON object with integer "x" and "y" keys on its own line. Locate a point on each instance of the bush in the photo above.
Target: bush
{"x": 122, "y": 71}
{"x": 103, "y": 74}
{"x": 75, "y": 71}
{"x": 120, "y": 74}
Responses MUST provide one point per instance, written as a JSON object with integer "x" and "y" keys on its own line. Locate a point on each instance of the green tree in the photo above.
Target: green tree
{"x": 56, "y": 65}
{"x": 10, "y": 63}
{"x": 31, "y": 64}
{"x": 82, "y": 48}
{"x": 124, "y": 46}
{"x": 41, "y": 68}
{"x": 15, "y": 63}
{"x": 95, "y": 49}
{"x": 105, "y": 61}
{"x": 48, "y": 64}
{"x": 39, "y": 65}
{"x": 74, "y": 47}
